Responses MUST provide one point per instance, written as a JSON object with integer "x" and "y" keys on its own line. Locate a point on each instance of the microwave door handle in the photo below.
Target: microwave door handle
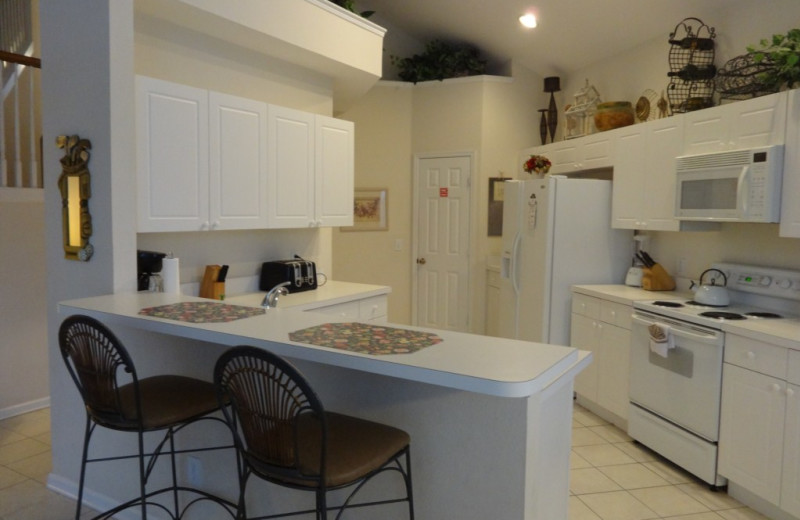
{"x": 741, "y": 204}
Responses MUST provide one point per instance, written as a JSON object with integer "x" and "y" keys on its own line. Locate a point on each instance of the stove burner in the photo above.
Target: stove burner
{"x": 662, "y": 303}
{"x": 698, "y": 304}
{"x": 723, "y": 315}
{"x": 762, "y": 315}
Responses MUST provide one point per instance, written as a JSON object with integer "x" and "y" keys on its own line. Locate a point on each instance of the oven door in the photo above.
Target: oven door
{"x": 683, "y": 387}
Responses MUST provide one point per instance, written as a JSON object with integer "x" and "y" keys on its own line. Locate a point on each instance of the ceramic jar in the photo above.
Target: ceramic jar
{"x": 613, "y": 114}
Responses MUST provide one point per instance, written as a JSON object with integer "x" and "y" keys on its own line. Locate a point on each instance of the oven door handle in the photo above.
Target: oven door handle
{"x": 711, "y": 338}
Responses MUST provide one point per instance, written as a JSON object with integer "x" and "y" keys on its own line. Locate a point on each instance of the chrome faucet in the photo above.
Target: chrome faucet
{"x": 271, "y": 299}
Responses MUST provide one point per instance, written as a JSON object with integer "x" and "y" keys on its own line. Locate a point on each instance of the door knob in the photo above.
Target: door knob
{"x": 421, "y": 261}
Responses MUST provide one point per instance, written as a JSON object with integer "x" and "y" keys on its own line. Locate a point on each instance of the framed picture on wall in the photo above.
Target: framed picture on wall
{"x": 370, "y": 210}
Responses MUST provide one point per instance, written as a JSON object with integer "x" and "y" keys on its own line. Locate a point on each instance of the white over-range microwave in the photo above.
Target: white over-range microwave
{"x": 735, "y": 186}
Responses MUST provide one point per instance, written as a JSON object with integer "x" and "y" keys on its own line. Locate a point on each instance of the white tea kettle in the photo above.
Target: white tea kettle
{"x": 713, "y": 294}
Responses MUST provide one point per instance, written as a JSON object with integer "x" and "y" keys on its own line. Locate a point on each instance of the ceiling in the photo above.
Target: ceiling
{"x": 571, "y": 33}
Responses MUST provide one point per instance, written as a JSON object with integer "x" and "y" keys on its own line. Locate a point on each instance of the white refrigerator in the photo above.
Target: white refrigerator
{"x": 556, "y": 233}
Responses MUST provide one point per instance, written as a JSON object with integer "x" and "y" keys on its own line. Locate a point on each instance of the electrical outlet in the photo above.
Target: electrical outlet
{"x": 681, "y": 266}
{"x": 194, "y": 471}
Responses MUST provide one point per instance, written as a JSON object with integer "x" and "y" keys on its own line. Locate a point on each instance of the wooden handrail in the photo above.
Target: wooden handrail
{"x": 21, "y": 59}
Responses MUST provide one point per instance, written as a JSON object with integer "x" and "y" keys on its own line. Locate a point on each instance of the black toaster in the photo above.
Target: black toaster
{"x": 301, "y": 275}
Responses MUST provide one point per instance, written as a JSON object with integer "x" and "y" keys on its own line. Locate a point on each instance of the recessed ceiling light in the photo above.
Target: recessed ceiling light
{"x": 528, "y": 20}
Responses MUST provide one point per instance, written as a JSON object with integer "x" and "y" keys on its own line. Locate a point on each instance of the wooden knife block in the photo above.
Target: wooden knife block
{"x": 657, "y": 279}
{"x": 210, "y": 287}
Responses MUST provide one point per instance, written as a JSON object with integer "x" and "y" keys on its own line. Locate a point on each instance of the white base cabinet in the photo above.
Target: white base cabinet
{"x": 374, "y": 308}
{"x": 604, "y": 328}
{"x": 759, "y": 446}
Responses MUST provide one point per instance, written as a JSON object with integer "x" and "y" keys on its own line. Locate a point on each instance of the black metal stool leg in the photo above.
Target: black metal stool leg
{"x": 142, "y": 476}
{"x": 86, "y": 436}
{"x": 409, "y": 490}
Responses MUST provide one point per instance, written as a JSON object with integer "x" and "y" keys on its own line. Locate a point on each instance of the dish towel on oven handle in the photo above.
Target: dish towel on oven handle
{"x": 661, "y": 339}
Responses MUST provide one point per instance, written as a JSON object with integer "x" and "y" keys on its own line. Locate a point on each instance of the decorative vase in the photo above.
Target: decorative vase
{"x": 543, "y": 125}
{"x": 614, "y": 114}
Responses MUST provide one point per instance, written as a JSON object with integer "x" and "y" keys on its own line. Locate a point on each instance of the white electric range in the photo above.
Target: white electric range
{"x": 675, "y": 391}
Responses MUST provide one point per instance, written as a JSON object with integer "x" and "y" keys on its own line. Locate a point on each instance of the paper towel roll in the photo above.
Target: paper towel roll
{"x": 170, "y": 273}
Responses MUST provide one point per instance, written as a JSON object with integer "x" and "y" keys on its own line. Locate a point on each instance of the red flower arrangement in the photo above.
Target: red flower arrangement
{"x": 537, "y": 164}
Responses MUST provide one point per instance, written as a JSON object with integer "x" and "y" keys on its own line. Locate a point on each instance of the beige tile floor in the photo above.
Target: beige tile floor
{"x": 611, "y": 478}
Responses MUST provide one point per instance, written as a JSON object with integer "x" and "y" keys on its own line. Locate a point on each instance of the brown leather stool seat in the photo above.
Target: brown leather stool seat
{"x": 286, "y": 437}
{"x": 115, "y": 398}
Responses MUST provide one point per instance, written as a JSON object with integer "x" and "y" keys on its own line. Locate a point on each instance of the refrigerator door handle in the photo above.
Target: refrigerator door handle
{"x": 515, "y": 263}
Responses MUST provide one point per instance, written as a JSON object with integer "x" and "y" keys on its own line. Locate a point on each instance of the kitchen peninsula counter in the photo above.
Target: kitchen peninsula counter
{"x": 490, "y": 418}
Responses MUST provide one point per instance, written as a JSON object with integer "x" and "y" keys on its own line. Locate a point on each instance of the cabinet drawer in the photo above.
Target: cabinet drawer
{"x": 756, "y": 355}
{"x": 794, "y": 367}
{"x": 373, "y": 308}
{"x": 616, "y": 314}
{"x": 586, "y": 305}
{"x": 346, "y": 311}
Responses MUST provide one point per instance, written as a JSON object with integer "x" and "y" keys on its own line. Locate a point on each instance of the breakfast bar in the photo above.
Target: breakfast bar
{"x": 489, "y": 418}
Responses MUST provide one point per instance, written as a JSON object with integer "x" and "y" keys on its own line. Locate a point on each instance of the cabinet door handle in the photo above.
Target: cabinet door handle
{"x": 421, "y": 261}
{"x": 789, "y": 392}
{"x": 751, "y": 355}
{"x": 776, "y": 387}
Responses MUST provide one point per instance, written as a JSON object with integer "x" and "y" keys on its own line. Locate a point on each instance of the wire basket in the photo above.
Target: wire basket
{"x": 742, "y": 77}
{"x": 691, "y": 64}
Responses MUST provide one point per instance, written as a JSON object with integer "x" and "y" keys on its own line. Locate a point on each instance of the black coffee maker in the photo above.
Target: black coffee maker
{"x": 148, "y": 263}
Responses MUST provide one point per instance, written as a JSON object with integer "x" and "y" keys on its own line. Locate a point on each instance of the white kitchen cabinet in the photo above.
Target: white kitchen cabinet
{"x": 790, "y": 193}
{"x": 311, "y": 169}
{"x": 745, "y": 124}
{"x": 212, "y": 161}
{"x": 237, "y": 162}
{"x": 201, "y": 159}
{"x": 334, "y": 171}
{"x": 790, "y": 481}
{"x": 574, "y": 155}
{"x": 751, "y": 431}
{"x": 644, "y": 175}
{"x": 374, "y": 308}
{"x": 172, "y": 156}
{"x": 603, "y": 327}
{"x": 291, "y": 167}
{"x": 760, "y": 421}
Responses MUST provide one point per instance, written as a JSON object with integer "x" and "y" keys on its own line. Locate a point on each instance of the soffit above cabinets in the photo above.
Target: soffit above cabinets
{"x": 313, "y": 34}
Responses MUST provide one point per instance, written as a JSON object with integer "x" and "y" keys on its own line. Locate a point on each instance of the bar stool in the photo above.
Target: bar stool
{"x": 115, "y": 398}
{"x": 286, "y": 437}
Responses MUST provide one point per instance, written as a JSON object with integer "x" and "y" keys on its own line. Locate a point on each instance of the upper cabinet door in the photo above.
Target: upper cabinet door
{"x": 238, "y": 162}
{"x": 741, "y": 125}
{"x": 334, "y": 171}
{"x": 172, "y": 156}
{"x": 291, "y": 168}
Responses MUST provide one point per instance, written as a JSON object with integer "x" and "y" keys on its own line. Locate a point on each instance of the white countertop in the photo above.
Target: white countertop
{"x": 783, "y": 332}
{"x": 626, "y": 295}
{"x": 492, "y": 366}
{"x": 332, "y": 293}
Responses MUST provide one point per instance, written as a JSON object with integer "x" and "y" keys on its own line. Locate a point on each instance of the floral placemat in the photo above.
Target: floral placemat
{"x": 202, "y": 312}
{"x": 365, "y": 339}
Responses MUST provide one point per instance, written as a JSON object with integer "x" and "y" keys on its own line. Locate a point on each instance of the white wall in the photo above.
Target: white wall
{"x": 626, "y": 76}
{"x": 23, "y": 343}
{"x": 491, "y": 116}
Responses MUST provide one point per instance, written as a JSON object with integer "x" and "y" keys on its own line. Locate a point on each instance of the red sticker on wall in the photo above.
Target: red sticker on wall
{"x": 443, "y": 192}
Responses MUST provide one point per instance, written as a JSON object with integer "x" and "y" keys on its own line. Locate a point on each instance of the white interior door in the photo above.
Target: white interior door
{"x": 442, "y": 242}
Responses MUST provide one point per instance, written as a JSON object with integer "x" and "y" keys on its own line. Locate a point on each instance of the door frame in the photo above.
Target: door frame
{"x": 473, "y": 208}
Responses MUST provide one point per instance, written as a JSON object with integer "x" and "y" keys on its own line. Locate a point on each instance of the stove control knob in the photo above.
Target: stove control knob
{"x": 765, "y": 281}
{"x": 784, "y": 284}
